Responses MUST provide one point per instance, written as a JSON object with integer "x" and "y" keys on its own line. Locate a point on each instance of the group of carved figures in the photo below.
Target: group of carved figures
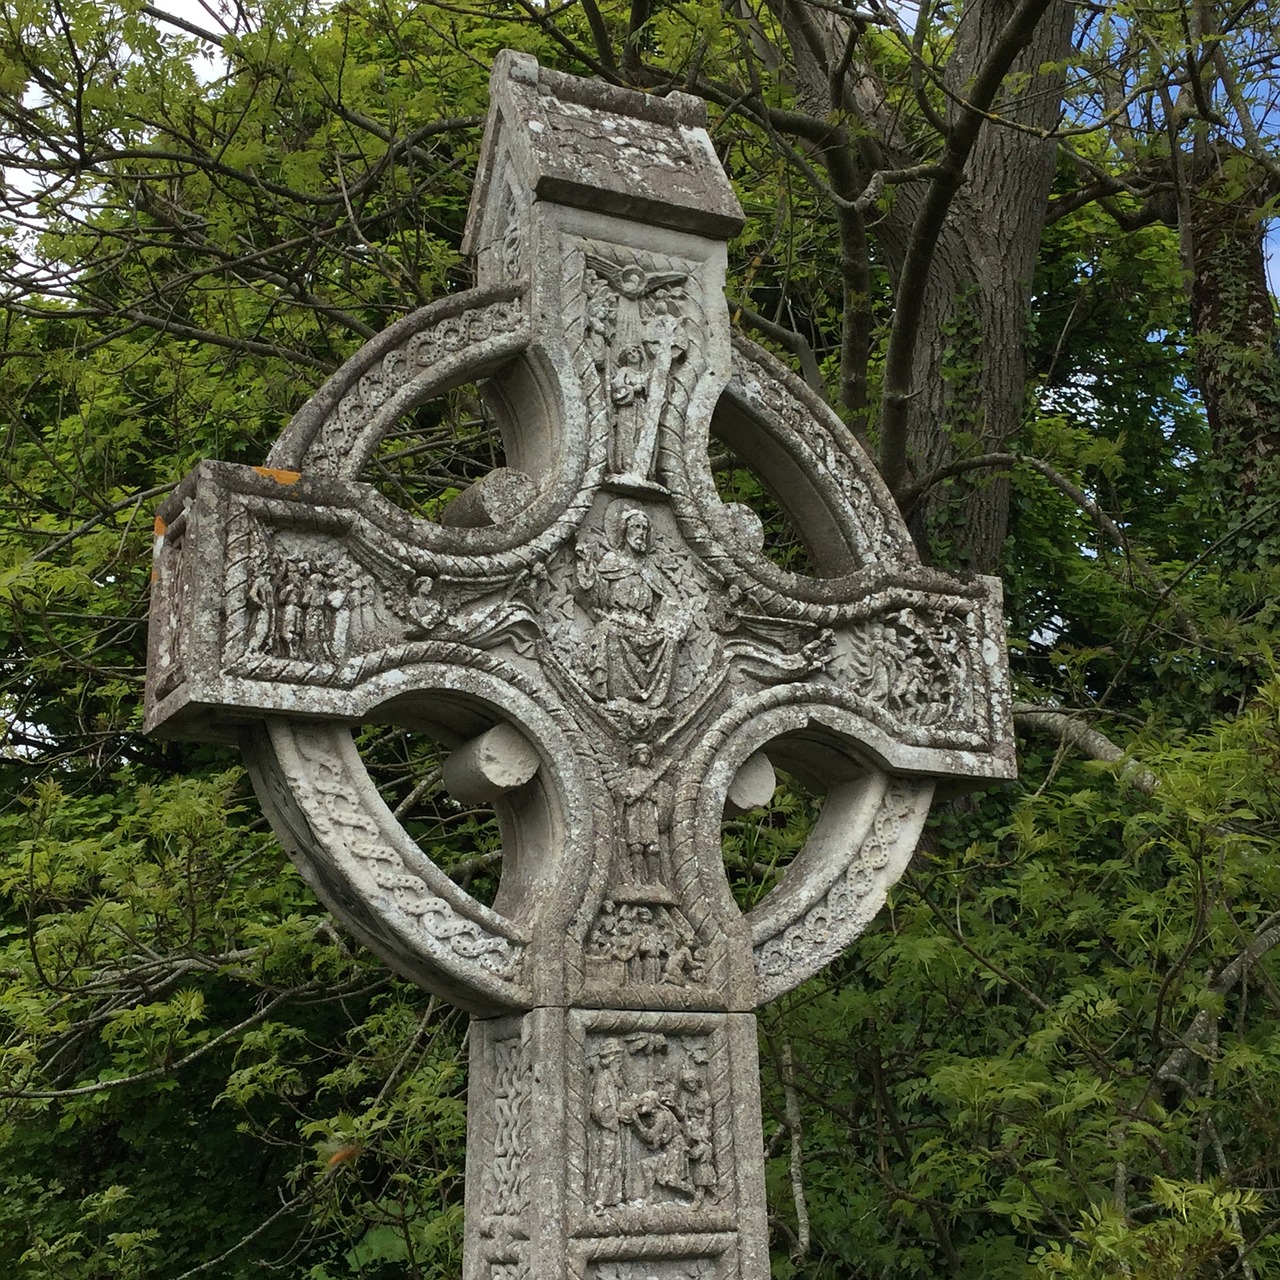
{"x": 915, "y": 672}
{"x": 303, "y": 609}
{"x": 653, "y": 1144}
{"x": 654, "y": 944}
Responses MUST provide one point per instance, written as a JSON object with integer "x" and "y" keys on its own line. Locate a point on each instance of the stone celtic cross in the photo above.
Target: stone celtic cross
{"x": 614, "y": 661}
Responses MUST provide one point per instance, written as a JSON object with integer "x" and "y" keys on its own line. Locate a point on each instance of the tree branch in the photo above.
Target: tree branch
{"x": 1072, "y": 730}
{"x": 796, "y": 1164}
{"x": 794, "y": 342}
{"x": 172, "y": 20}
{"x": 155, "y": 1073}
{"x": 1205, "y": 1024}
{"x": 112, "y": 508}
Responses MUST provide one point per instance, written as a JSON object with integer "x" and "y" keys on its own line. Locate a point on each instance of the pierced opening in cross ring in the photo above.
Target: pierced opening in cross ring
{"x": 760, "y": 843}
{"x": 436, "y": 451}
{"x": 777, "y": 536}
{"x": 820, "y": 784}
{"x": 463, "y": 840}
{"x": 474, "y": 791}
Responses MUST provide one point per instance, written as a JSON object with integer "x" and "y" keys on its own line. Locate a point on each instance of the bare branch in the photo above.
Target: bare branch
{"x": 794, "y": 342}
{"x": 794, "y": 1128}
{"x": 1203, "y": 1028}
{"x": 1072, "y": 730}
{"x": 173, "y": 20}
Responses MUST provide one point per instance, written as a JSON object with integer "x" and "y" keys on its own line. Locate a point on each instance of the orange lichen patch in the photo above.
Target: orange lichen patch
{"x": 159, "y": 527}
{"x": 280, "y": 477}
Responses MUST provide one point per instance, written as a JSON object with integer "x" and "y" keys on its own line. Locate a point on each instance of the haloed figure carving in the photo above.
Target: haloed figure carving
{"x": 633, "y": 648}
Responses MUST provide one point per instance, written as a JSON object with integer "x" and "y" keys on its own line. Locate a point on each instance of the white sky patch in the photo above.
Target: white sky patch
{"x": 208, "y": 15}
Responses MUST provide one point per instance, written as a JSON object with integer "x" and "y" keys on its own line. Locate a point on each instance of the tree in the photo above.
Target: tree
{"x": 1057, "y": 1052}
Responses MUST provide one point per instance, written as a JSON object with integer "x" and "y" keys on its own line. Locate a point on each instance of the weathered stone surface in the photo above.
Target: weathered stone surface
{"x": 752, "y": 786}
{"x": 618, "y": 662}
{"x": 496, "y": 498}
{"x": 489, "y": 766}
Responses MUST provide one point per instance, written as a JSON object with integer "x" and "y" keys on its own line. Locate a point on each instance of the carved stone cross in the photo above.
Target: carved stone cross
{"x": 616, "y": 661}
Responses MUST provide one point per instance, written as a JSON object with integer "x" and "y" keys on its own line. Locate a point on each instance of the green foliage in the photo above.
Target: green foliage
{"x": 1197, "y": 1224}
{"x": 1049, "y": 1053}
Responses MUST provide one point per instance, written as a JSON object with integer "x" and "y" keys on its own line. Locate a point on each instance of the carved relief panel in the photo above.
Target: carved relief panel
{"x": 644, "y": 335}
{"x": 501, "y": 1160}
{"x": 506, "y": 1175}
{"x": 654, "y": 1145}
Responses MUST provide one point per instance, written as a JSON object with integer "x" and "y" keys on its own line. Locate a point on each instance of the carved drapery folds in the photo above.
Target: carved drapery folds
{"x": 598, "y": 596}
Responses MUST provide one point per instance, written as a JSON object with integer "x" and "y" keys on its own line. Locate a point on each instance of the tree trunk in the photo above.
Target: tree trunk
{"x": 970, "y": 369}
{"x": 970, "y": 366}
{"x": 1235, "y": 345}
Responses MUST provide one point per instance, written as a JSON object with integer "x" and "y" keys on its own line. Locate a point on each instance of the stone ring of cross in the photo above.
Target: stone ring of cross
{"x": 614, "y": 661}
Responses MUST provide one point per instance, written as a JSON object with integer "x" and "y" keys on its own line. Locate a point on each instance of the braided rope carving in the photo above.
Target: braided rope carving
{"x": 337, "y": 429}
{"x": 341, "y": 806}
{"x": 807, "y": 944}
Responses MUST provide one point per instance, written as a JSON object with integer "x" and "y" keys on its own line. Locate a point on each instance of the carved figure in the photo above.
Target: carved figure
{"x": 654, "y": 944}
{"x": 424, "y": 609}
{"x": 261, "y": 622}
{"x": 915, "y": 671}
{"x": 646, "y": 807}
{"x": 289, "y": 610}
{"x": 629, "y": 393}
{"x": 636, "y": 336}
{"x": 337, "y": 604}
{"x": 645, "y": 963}
{"x": 315, "y": 617}
{"x": 658, "y": 1127}
{"x": 684, "y": 962}
{"x": 604, "y": 1157}
{"x": 302, "y": 608}
{"x": 695, "y": 1114}
{"x": 633, "y": 647}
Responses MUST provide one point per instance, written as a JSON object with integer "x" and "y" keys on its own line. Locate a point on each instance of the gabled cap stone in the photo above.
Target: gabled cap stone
{"x": 597, "y": 146}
